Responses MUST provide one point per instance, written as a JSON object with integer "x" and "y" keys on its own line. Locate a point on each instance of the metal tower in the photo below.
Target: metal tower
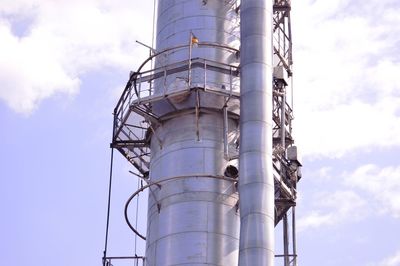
{"x": 206, "y": 123}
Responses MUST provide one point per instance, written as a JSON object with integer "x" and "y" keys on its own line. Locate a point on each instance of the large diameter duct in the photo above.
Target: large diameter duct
{"x": 256, "y": 184}
{"x": 192, "y": 217}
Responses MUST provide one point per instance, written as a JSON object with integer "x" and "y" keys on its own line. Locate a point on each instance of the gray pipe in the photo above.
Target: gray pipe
{"x": 256, "y": 184}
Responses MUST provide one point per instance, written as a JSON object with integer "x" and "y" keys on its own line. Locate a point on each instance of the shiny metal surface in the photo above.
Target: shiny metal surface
{"x": 213, "y": 21}
{"x": 198, "y": 222}
{"x": 256, "y": 184}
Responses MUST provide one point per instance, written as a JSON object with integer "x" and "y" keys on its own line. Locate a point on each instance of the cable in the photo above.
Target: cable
{"x": 108, "y": 207}
{"x": 154, "y": 22}
{"x": 137, "y": 214}
{"x": 126, "y": 212}
{"x": 157, "y": 183}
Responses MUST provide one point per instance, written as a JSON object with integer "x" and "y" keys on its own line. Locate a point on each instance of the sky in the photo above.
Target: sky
{"x": 63, "y": 65}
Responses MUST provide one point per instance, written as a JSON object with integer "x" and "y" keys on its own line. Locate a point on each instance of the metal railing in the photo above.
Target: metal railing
{"x": 140, "y": 89}
{"x": 135, "y": 260}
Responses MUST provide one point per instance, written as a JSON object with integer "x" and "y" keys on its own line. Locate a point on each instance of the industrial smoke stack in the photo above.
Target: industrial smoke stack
{"x": 256, "y": 181}
{"x": 197, "y": 222}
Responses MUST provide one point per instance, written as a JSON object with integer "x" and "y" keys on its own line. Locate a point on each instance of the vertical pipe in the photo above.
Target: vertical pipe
{"x": 205, "y": 75}
{"x": 108, "y": 205}
{"x": 256, "y": 184}
{"x": 285, "y": 240}
{"x": 294, "y": 236}
{"x": 226, "y": 129}
{"x": 190, "y": 60}
{"x": 283, "y": 119}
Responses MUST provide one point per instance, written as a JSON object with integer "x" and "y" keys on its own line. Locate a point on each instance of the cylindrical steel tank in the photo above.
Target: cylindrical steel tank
{"x": 197, "y": 222}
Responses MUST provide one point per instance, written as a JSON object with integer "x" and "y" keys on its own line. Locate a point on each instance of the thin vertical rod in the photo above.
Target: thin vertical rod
{"x": 285, "y": 240}
{"x": 290, "y": 40}
{"x": 226, "y": 147}
{"x": 197, "y": 110}
{"x": 152, "y": 34}
{"x": 137, "y": 214}
{"x": 154, "y": 26}
{"x": 190, "y": 60}
{"x": 294, "y": 245}
{"x": 292, "y": 99}
{"x": 205, "y": 75}
{"x": 283, "y": 118}
{"x": 108, "y": 206}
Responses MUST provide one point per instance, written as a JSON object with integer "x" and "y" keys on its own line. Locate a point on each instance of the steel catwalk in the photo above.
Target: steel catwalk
{"x": 256, "y": 183}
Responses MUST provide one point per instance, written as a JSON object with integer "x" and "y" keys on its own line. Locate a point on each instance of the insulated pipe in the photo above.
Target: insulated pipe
{"x": 256, "y": 183}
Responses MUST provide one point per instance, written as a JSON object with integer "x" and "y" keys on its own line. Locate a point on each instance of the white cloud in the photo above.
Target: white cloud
{"x": 347, "y": 127}
{"x": 30, "y": 71}
{"x": 346, "y": 76}
{"x": 314, "y": 220}
{"x": 61, "y": 40}
{"x": 391, "y": 261}
{"x": 346, "y": 62}
{"x": 324, "y": 173}
{"x": 333, "y": 209}
{"x": 367, "y": 191}
{"x": 381, "y": 184}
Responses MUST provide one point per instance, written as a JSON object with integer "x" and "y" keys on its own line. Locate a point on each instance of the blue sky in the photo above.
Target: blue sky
{"x": 63, "y": 65}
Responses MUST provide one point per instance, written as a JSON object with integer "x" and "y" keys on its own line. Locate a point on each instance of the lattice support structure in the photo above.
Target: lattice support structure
{"x": 286, "y": 162}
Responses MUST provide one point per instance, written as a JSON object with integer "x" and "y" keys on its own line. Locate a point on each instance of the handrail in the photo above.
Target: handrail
{"x": 150, "y": 75}
{"x": 200, "y": 44}
{"x": 158, "y": 184}
{"x": 107, "y": 261}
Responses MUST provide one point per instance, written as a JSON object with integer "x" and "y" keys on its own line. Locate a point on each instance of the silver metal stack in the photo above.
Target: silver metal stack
{"x": 177, "y": 122}
{"x": 197, "y": 222}
{"x": 256, "y": 184}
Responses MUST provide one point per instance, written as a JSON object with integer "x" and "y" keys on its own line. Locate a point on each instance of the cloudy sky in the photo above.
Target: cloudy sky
{"x": 63, "y": 65}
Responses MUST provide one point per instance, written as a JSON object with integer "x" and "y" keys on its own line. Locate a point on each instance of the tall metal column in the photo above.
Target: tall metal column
{"x": 197, "y": 222}
{"x": 256, "y": 184}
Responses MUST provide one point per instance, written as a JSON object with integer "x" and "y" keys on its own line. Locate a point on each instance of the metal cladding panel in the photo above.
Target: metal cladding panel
{"x": 192, "y": 217}
{"x": 197, "y": 222}
{"x": 222, "y": 250}
{"x": 195, "y": 252}
{"x": 192, "y": 249}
